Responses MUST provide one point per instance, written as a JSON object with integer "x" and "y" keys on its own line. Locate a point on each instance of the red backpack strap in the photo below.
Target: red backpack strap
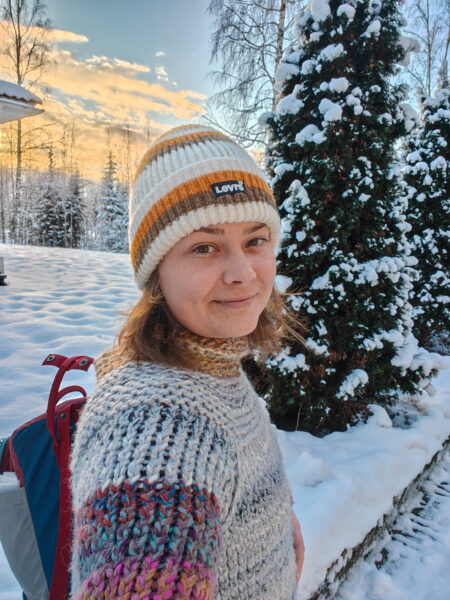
{"x": 63, "y": 364}
{"x": 60, "y": 577}
{"x": 5, "y": 455}
{"x": 61, "y": 445}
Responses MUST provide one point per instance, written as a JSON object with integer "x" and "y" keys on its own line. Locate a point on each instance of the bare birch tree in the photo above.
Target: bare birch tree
{"x": 429, "y": 24}
{"x": 26, "y": 49}
{"x": 247, "y": 43}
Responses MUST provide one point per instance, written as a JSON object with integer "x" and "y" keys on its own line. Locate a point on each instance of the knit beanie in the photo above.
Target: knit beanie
{"x": 193, "y": 177}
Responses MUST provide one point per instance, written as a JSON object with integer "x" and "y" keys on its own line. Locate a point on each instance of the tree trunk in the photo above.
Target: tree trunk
{"x": 15, "y": 217}
{"x": 279, "y": 51}
{"x": 2, "y": 203}
{"x": 429, "y": 48}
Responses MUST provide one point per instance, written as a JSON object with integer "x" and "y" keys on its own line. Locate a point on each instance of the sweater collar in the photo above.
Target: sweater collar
{"x": 220, "y": 357}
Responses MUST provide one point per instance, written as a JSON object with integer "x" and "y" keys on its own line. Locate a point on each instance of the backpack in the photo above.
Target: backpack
{"x": 36, "y": 518}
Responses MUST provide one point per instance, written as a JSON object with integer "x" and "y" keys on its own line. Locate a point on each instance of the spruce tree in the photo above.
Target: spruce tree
{"x": 111, "y": 211}
{"x": 75, "y": 212}
{"x": 427, "y": 174}
{"x": 331, "y": 159}
{"x": 51, "y": 208}
{"x": 44, "y": 211}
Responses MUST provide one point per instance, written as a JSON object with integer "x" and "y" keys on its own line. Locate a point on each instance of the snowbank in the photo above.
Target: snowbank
{"x": 343, "y": 483}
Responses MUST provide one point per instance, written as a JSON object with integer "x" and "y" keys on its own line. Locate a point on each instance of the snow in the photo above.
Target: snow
{"x": 421, "y": 165}
{"x": 409, "y": 45}
{"x": 418, "y": 555}
{"x": 410, "y": 116}
{"x": 330, "y": 110}
{"x": 307, "y": 67}
{"x": 374, "y": 28}
{"x": 70, "y": 302}
{"x": 385, "y": 118}
{"x": 12, "y": 90}
{"x": 284, "y": 72}
{"x": 310, "y": 133}
{"x": 313, "y": 471}
{"x": 290, "y": 104}
{"x": 347, "y": 10}
{"x": 331, "y": 52}
{"x": 367, "y": 468}
{"x": 438, "y": 163}
{"x": 338, "y": 84}
{"x": 283, "y": 282}
{"x": 354, "y": 101}
{"x": 287, "y": 363}
{"x": 300, "y": 193}
{"x": 320, "y": 9}
{"x": 414, "y": 156}
{"x": 410, "y": 356}
{"x": 264, "y": 117}
{"x": 440, "y": 115}
{"x": 356, "y": 379}
{"x": 315, "y": 347}
{"x": 283, "y": 168}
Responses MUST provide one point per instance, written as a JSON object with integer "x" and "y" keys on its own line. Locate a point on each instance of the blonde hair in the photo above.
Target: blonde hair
{"x": 150, "y": 332}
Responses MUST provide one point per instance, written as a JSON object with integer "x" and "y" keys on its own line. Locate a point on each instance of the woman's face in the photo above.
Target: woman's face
{"x": 218, "y": 280}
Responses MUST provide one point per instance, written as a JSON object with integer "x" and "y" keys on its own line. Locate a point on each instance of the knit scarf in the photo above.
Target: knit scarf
{"x": 220, "y": 357}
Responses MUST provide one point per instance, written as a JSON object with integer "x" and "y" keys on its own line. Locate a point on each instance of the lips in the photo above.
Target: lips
{"x": 236, "y": 303}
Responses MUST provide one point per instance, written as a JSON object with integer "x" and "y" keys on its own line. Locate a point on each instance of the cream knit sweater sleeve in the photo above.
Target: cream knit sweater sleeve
{"x": 154, "y": 478}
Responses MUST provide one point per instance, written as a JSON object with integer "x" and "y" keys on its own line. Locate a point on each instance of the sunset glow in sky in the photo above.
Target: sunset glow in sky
{"x": 141, "y": 63}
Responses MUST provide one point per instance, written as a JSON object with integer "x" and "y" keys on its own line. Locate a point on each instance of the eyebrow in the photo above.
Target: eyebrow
{"x": 219, "y": 231}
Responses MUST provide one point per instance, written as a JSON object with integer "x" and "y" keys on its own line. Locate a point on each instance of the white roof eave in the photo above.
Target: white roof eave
{"x": 16, "y": 102}
{"x": 11, "y": 110}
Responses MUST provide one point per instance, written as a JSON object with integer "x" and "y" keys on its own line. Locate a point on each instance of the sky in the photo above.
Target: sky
{"x": 139, "y": 30}
{"x": 143, "y": 63}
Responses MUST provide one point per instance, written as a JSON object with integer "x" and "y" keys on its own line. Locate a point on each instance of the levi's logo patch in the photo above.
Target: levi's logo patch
{"x": 228, "y": 187}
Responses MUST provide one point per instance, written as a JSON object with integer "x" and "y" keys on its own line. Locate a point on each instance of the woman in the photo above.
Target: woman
{"x": 178, "y": 485}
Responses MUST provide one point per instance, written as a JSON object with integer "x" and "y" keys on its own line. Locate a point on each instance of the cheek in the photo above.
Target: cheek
{"x": 183, "y": 289}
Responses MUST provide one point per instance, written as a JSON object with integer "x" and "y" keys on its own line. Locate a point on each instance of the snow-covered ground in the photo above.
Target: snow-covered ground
{"x": 418, "y": 552}
{"x": 70, "y": 302}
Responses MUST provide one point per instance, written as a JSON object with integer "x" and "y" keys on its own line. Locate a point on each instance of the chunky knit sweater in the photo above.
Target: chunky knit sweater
{"x": 179, "y": 489}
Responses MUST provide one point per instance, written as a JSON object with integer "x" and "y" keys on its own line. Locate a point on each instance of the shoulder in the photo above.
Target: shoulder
{"x": 149, "y": 401}
{"x": 133, "y": 386}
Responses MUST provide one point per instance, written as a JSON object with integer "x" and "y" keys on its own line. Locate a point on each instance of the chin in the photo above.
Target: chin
{"x": 234, "y": 332}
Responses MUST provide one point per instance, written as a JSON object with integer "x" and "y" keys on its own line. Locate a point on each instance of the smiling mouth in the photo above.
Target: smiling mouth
{"x": 236, "y": 303}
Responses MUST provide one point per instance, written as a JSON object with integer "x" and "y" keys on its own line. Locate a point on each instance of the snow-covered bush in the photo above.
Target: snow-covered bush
{"x": 427, "y": 175}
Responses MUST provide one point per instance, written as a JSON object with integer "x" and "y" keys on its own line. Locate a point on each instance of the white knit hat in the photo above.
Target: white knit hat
{"x": 193, "y": 177}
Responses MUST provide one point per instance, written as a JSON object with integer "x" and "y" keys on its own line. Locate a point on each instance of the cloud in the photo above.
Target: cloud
{"x": 161, "y": 74}
{"x": 59, "y": 35}
{"x": 117, "y": 64}
{"x": 160, "y": 53}
{"x": 99, "y": 93}
{"x": 116, "y": 89}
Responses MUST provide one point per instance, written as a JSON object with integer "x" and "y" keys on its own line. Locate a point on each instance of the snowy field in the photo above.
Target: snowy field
{"x": 70, "y": 302}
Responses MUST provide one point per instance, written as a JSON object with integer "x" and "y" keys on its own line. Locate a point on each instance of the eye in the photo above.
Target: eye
{"x": 257, "y": 241}
{"x": 203, "y": 249}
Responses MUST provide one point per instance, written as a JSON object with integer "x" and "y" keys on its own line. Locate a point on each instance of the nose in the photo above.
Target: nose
{"x": 238, "y": 268}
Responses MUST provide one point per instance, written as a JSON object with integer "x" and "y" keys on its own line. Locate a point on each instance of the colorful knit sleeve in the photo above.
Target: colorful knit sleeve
{"x": 151, "y": 488}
